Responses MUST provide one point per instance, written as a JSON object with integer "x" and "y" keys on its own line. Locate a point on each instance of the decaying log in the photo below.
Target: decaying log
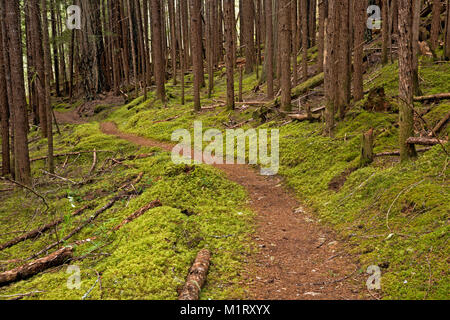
{"x": 304, "y": 87}
{"x": 304, "y": 117}
{"x": 77, "y": 229}
{"x": 425, "y": 141}
{"x": 196, "y": 277}
{"x": 366, "y": 148}
{"x": 139, "y": 213}
{"x": 68, "y": 154}
{"x": 32, "y": 268}
{"x": 37, "y": 232}
{"x": 397, "y": 153}
{"x": 433, "y": 97}
{"x": 136, "y": 157}
{"x": 439, "y": 125}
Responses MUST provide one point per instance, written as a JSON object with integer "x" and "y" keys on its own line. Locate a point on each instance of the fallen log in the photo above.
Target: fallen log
{"x": 139, "y": 213}
{"x": 304, "y": 117}
{"x": 397, "y": 153}
{"x": 302, "y": 88}
{"x": 32, "y": 268}
{"x": 439, "y": 125}
{"x": 77, "y": 229}
{"x": 433, "y": 97}
{"x": 68, "y": 154}
{"x": 425, "y": 141}
{"x": 196, "y": 277}
{"x": 136, "y": 157}
{"x": 37, "y": 232}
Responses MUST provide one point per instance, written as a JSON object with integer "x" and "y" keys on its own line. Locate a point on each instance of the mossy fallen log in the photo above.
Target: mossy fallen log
{"x": 32, "y": 268}
{"x": 196, "y": 277}
{"x": 38, "y": 231}
{"x": 139, "y": 213}
{"x": 303, "y": 88}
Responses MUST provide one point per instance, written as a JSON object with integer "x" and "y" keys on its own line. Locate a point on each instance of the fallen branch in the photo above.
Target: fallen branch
{"x": 139, "y": 213}
{"x": 304, "y": 117}
{"x": 434, "y": 97}
{"x": 69, "y": 154}
{"x": 37, "y": 232}
{"x": 302, "y": 88}
{"x": 77, "y": 229}
{"x": 397, "y": 153}
{"x": 58, "y": 177}
{"x": 28, "y": 188}
{"x": 196, "y": 277}
{"x": 439, "y": 125}
{"x": 94, "y": 162}
{"x": 19, "y": 296}
{"x": 425, "y": 141}
{"x": 32, "y": 268}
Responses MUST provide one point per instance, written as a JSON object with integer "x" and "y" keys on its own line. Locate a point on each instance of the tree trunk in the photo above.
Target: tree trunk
{"x": 330, "y": 66}
{"x": 416, "y": 5}
{"x": 269, "y": 48}
{"x": 4, "y": 112}
{"x": 447, "y": 32}
{"x": 435, "y": 24}
{"x": 366, "y": 148}
{"x": 196, "y": 45}
{"x": 406, "y": 79}
{"x": 173, "y": 40}
{"x": 385, "y": 32}
{"x": 285, "y": 48}
{"x": 158, "y": 62}
{"x": 247, "y": 29}
{"x": 321, "y": 43}
{"x": 359, "y": 16}
{"x": 14, "y": 45}
{"x": 304, "y": 17}
{"x": 229, "y": 47}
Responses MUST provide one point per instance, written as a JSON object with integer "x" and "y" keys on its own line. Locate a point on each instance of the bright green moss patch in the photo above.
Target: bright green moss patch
{"x": 148, "y": 258}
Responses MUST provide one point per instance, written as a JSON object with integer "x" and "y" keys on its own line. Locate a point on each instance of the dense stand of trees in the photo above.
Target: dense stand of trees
{"x": 128, "y": 46}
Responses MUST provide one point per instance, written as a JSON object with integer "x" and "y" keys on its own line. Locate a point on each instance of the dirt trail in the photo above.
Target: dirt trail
{"x": 298, "y": 258}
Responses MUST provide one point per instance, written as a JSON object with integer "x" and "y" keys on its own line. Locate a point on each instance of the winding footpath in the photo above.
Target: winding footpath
{"x": 297, "y": 257}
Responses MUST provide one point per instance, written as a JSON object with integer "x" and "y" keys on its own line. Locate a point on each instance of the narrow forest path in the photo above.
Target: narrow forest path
{"x": 298, "y": 258}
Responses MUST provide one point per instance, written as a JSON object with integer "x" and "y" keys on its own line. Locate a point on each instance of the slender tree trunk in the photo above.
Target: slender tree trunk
{"x": 406, "y": 80}
{"x": 416, "y": 5}
{"x": 196, "y": 48}
{"x": 321, "y": 43}
{"x": 285, "y": 48}
{"x": 4, "y": 112}
{"x": 269, "y": 49}
{"x": 330, "y": 66}
{"x": 14, "y": 45}
{"x": 304, "y": 17}
{"x": 248, "y": 27}
{"x": 385, "y": 32}
{"x": 294, "y": 42}
{"x": 435, "y": 24}
{"x": 358, "y": 53}
{"x": 48, "y": 105}
{"x": 229, "y": 47}
{"x": 173, "y": 38}
{"x": 157, "y": 49}
{"x": 447, "y": 32}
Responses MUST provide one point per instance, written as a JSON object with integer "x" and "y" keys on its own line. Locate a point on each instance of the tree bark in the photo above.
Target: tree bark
{"x": 304, "y": 18}
{"x": 196, "y": 277}
{"x": 248, "y": 32}
{"x": 196, "y": 45}
{"x": 14, "y": 45}
{"x": 157, "y": 44}
{"x": 269, "y": 48}
{"x": 30, "y": 269}
{"x": 4, "y": 112}
{"x": 435, "y": 24}
{"x": 229, "y": 47}
{"x": 285, "y": 48}
{"x": 406, "y": 79}
{"x": 359, "y": 16}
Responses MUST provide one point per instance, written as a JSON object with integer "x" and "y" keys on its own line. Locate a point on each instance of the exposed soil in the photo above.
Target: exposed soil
{"x": 297, "y": 257}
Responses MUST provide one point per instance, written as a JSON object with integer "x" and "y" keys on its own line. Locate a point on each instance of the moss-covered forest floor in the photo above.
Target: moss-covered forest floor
{"x": 308, "y": 233}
